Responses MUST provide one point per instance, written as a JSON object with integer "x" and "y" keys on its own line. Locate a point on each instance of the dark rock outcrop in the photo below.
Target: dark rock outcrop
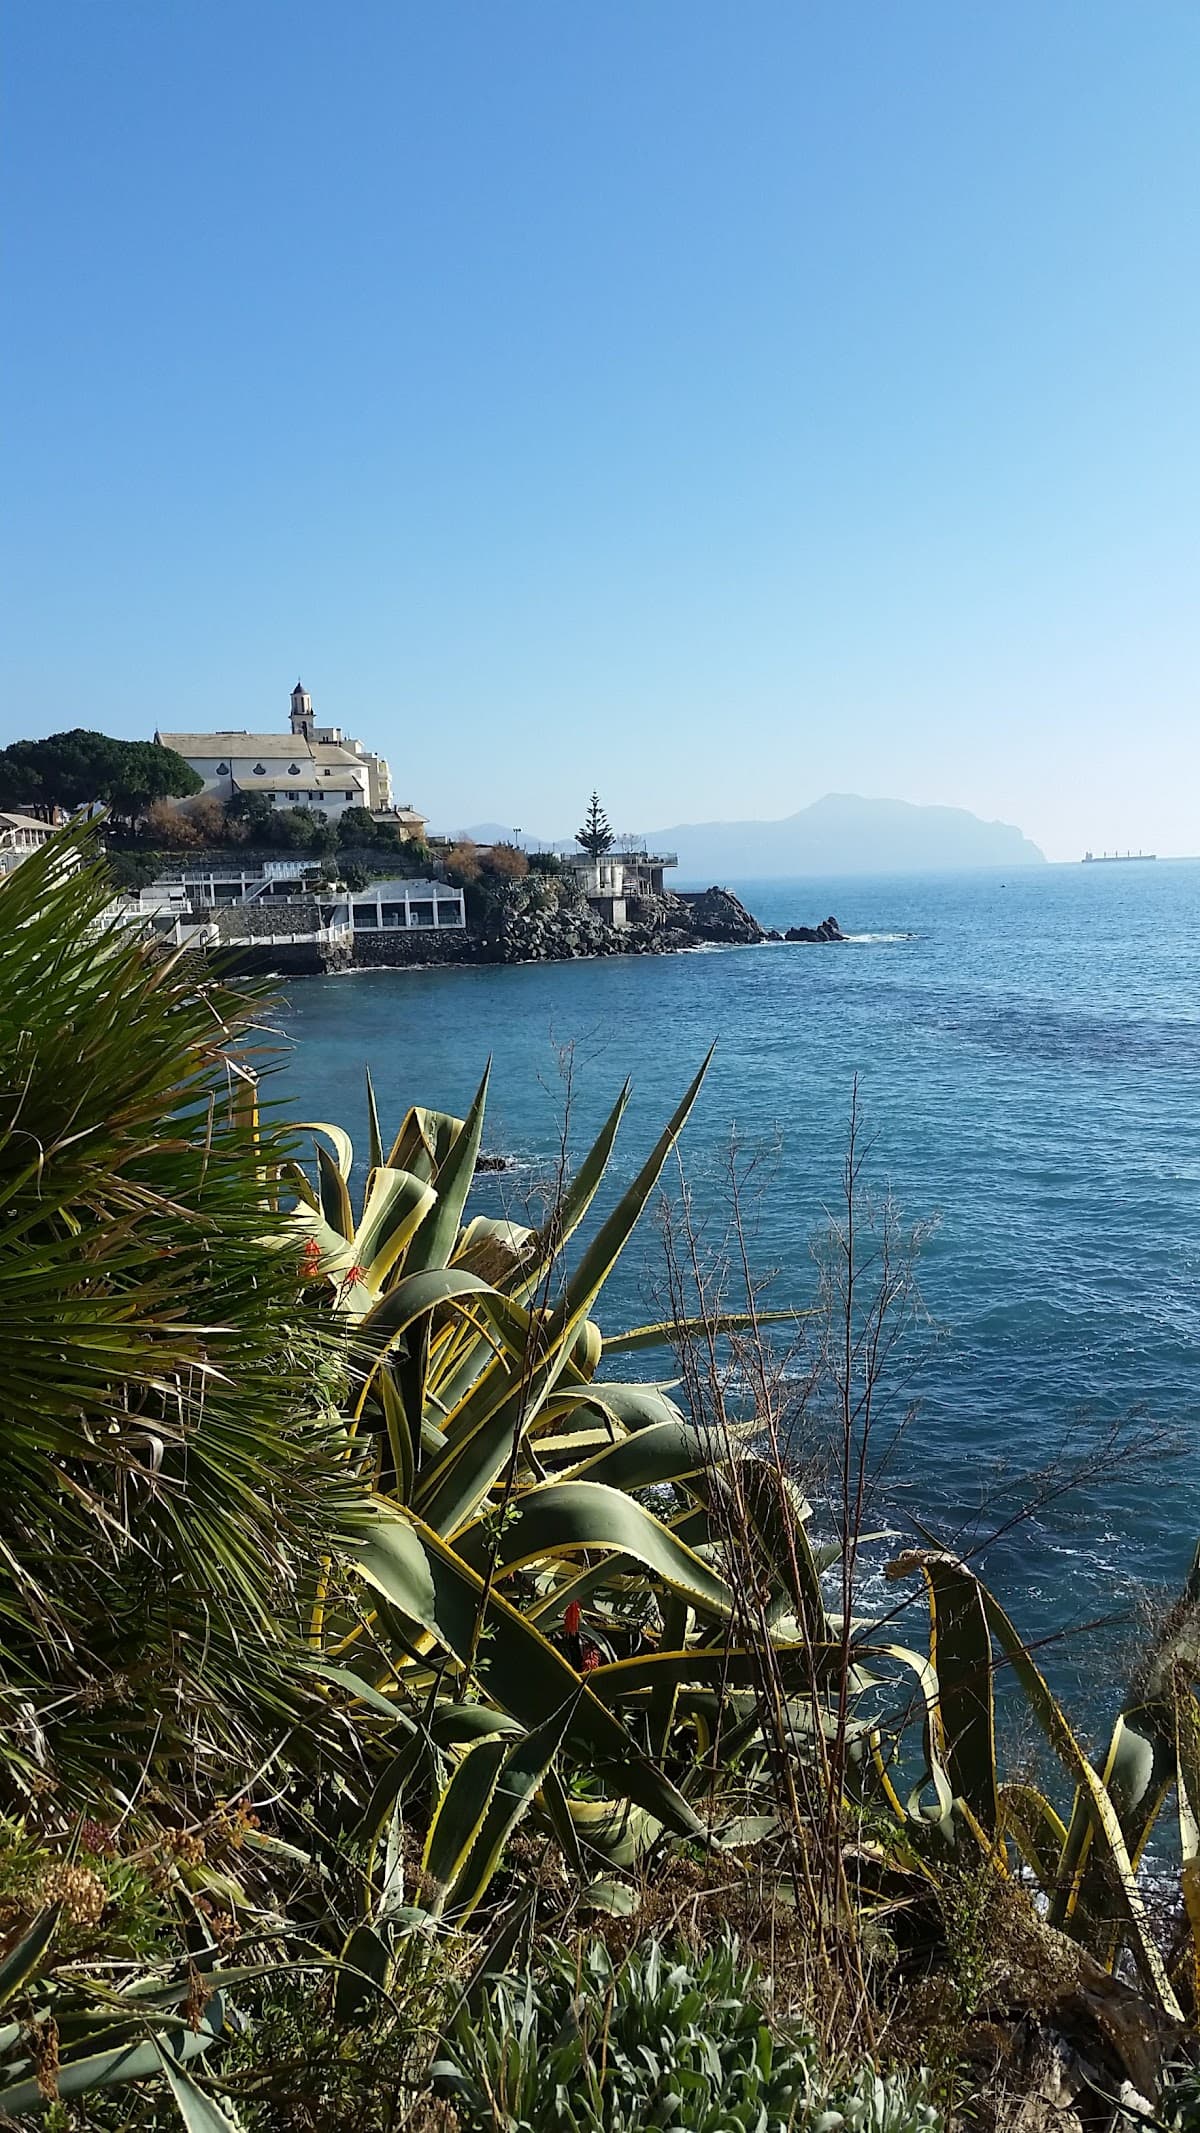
{"x": 828, "y": 930}
{"x": 718, "y": 915}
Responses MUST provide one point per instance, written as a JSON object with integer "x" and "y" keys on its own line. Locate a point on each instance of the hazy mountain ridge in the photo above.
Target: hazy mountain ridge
{"x": 843, "y": 833}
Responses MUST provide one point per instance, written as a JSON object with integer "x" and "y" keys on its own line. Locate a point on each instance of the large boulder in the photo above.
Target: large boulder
{"x": 718, "y": 915}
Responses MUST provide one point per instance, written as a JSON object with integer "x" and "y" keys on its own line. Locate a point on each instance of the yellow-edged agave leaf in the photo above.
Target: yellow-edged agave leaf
{"x": 572, "y": 1517}
{"x": 668, "y": 1331}
{"x": 390, "y": 1556}
{"x": 424, "y": 1141}
{"x": 733, "y": 1666}
{"x": 666, "y": 1451}
{"x": 752, "y": 1493}
{"x": 199, "y": 2112}
{"x": 1187, "y": 1748}
{"x": 1107, "y": 1832}
{"x": 616, "y": 1831}
{"x": 623, "y": 1407}
{"x": 960, "y": 1651}
{"x": 522, "y": 1671}
{"x": 24, "y": 1958}
{"x": 374, "y": 1136}
{"x": 437, "y": 1235}
{"x": 397, "y": 1478}
{"x": 1036, "y": 1828}
{"x": 1140, "y": 1767}
{"x": 339, "y": 1140}
{"x": 457, "y": 1820}
{"x": 561, "y": 1224}
{"x": 523, "y": 1769}
{"x": 81, "y": 2073}
{"x": 452, "y": 1488}
{"x": 413, "y": 1298}
{"x": 941, "y": 1816}
{"x": 335, "y": 1194}
{"x": 601, "y": 1255}
{"x": 493, "y": 1247}
{"x": 394, "y": 1206}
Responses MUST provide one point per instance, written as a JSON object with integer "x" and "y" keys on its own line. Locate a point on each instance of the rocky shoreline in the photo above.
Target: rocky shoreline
{"x": 667, "y": 925}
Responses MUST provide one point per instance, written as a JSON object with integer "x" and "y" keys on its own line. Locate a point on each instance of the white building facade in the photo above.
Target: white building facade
{"x": 310, "y": 766}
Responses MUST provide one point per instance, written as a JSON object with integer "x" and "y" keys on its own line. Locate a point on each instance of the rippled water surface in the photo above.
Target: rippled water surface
{"x": 1030, "y": 1064}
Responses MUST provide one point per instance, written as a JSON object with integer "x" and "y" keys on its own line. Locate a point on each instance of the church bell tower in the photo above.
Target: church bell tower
{"x": 302, "y": 712}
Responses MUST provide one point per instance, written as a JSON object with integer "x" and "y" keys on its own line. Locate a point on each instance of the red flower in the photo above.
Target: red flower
{"x": 590, "y": 1660}
{"x": 352, "y": 1274}
{"x": 572, "y": 1618}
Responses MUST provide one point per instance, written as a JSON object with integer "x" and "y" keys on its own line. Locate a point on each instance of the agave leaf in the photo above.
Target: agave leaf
{"x": 424, "y": 1141}
{"x": 960, "y": 1651}
{"x": 1037, "y": 1830}
{"x": 414, "y": 1296}
{"x": 391, "y": 1558}
{"x": 374, "y": 1136}
{"x": 458, "y": 1819}
{"x": 364, "y": 1969}
{"x": 661, "y": 1453}
{"x": 564, "y": 1219}
{"x": 569, "y": 1517}
{"x": 435, "y": 1239}
{"x": 753, "y": 1493}
{"x": 601, "y": 1255}
{"x": 200, "y": 2113}
{"x": 79, "y": 2074}
{"x": 394, "y": 1206}
{"x": 525, "y": 1675}
{"x": 616, "y": 1831}
{"x": 452, "y": 1487}
{"x": 343, "y": 1146}
{"x": 668, "y": 1331}
{"x": 1107, "y": 1832}
{"x": 522, "y": 1771}
{"x": 335, "y": 1196}
{"x": 22, "y": 1961}
{"x": 400, "y": 1436}
{"x": 730, "y": 1666}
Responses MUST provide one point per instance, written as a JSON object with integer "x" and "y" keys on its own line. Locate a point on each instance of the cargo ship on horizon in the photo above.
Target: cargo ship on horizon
{"x": 1095, "y": 859}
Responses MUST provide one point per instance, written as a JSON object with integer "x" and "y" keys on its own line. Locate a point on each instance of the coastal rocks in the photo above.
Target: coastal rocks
{"x": 718, "y": 915}
{"x": 828, "y": 930}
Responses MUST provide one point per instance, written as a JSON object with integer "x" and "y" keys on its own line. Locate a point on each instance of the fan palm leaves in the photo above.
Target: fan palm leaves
{"x": 167, "y": 1456}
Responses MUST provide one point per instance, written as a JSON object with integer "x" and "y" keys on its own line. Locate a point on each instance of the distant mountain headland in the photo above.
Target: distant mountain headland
{"x": 841, "y": 834}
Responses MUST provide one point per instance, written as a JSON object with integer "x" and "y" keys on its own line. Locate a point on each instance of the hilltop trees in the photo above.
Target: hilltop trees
{"x": 85, "y": 769}
{"x": 595, "y": 837}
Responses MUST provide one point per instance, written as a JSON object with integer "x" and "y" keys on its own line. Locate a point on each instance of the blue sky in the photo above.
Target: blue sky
{"x": 714, "y": 404}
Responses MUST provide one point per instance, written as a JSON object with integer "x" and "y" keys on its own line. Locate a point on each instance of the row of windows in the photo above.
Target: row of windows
{"x": 367, "y": 917}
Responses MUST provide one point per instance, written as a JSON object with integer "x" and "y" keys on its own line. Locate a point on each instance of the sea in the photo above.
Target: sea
{"x": 1024, "y": 1052}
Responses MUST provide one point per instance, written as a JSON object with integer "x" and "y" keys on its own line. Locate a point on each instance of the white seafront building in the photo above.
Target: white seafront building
{"x": 309, "y": 766}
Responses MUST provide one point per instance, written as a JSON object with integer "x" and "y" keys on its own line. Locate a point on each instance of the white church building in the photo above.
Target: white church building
{"x": 310, "y": 766}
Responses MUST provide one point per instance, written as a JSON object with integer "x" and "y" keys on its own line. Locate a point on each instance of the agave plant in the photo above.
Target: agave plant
{"x": 1081, "y": 1864}
{"x": 548, "y": 1602}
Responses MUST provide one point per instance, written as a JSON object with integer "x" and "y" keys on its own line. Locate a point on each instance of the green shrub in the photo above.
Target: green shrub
{"x": 664, "y": 2039}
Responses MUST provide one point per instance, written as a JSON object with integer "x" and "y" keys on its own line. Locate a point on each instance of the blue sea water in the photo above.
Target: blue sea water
{"x": 1028, "y": 1053}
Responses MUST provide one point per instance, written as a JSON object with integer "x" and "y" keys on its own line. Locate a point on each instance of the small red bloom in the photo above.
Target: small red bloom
{"x": 312, "y": 1250}
{"x": 590, "y": 1660}
{"x": 572, "y": 1618}
{"x": 351, "y": 1275}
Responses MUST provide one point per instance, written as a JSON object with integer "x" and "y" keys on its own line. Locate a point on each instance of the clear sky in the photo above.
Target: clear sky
{"x": 715, "y": 403}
